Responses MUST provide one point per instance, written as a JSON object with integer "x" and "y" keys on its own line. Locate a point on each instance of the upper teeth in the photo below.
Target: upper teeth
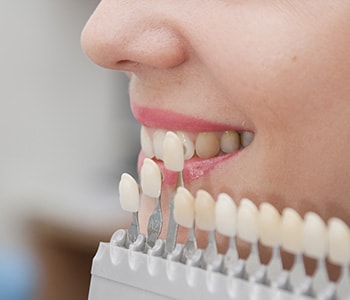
{"x": 202, "y": 144}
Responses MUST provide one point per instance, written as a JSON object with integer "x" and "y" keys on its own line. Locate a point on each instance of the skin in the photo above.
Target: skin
{"x": 280, "y": 68}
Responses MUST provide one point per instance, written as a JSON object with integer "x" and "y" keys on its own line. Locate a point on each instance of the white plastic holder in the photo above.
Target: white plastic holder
{"x": 120, "y": 273}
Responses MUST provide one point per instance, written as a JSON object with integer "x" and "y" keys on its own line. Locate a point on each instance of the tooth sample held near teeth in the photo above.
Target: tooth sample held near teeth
{"x": 151, "y": 178}
{"x": 207, "y": 145}
{"x": 173, "y": 152}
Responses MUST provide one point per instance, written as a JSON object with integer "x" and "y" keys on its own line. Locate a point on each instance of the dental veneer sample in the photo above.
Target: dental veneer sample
{"x": 184, "y": 207}
{"x": 339, "y": 242}
{"x": 204, "y": 211}
{"x": 151, "y": 178}
{"x": 247, "y": 225}
{"x": 173, "y": 152}
{"x": 129, "y": 195}
{"x": 226, "y": 215}
{"x": 315, "y": 236}
{"x": 291, "y": 231}
{"x": 269, "y": 222}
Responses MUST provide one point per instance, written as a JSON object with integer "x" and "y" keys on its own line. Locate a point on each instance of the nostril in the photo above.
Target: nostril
{"x": 126, "y": 64}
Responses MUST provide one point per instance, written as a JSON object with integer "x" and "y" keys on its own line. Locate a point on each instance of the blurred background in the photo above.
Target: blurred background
{"x": 66, "y": 136}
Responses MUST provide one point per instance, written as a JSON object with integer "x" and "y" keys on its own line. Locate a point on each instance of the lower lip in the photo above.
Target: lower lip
{"x": 194, "y": 168}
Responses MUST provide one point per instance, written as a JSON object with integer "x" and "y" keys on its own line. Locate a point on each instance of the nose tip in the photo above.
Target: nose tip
{"x": 126, "y": 39}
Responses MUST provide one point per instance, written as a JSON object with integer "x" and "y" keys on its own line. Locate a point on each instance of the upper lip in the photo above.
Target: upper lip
{"x": 170, "y": 120}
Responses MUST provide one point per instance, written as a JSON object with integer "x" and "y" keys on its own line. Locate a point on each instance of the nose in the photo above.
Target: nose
{"x": 125, "y": 36}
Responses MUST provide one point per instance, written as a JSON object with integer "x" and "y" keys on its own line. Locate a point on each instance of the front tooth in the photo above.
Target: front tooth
{"x": 246, "y": 138}
{"x": 204, "y": 205}
{"x": 291, "y": 231}
{"x": 158, "y": 140}
{"x": 173, "y": 152}
{"x": 230, "y": 141}
{"x": 129, "y": 195}
{"x": 184, "y": 207}
{"x": 207, "y": 145}
{"x": 314, "y": 236}
{"x": 151, "y": 178}
{"x": 269, "y": 222}
{"x": 339, "y": 242}
{"x": 226, "y": 215}
{"x": 247, "y": 225}
{"x": 188, "y": 144}
{"x": 146, "y": 143}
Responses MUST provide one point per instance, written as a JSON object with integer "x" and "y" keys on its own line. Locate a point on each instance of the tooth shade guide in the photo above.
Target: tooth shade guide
{"x": 173, "y": 152}
{"x": 315, "y": 236}
{"x": 247, "y": 225}
{"x": 184, "y": 207}
{"x": 339, "y": 242}
{"x": 204, "y": 205}
{"x": 151, "y": 178}
{"x": 291, "y": 231}
{"x": 226, "y": 215}
{"x": 269, "y": 223}
{"x": 129, "y": 193}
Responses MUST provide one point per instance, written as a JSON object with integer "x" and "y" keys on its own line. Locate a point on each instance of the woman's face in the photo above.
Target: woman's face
{"x": 279, "y": 69}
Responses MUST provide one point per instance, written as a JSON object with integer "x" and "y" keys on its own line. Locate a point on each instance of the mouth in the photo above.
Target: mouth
{"x": 207, "y": 144}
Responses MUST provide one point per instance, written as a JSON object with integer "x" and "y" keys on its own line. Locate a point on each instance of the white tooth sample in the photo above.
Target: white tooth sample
{"x": 204, "y": 206}
{"x": 247, "y": 221}
{"x": 184, "y": 207}
{"x": 246, "y": 138}
{"x": 173, "y": 152}
{"x": 207, "y": 145}
{"x": 151, "y": 178}
{"x": 269, "y": 223}
{"x": 339, "y": 242}
{"x": 315, "y": 236}
{"x": 230, "y": 141}
{"x": 188, "y": 144}
{"x": 146, "y": 143}
{"x": 291, "y": 231}
{"x": 226, "y": 215}
{"x": 158, "y": 140}
{"x": 129, "y": 195}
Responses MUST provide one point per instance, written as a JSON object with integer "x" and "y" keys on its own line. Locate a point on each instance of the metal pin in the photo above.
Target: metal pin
{"x": 170, "y": 241}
